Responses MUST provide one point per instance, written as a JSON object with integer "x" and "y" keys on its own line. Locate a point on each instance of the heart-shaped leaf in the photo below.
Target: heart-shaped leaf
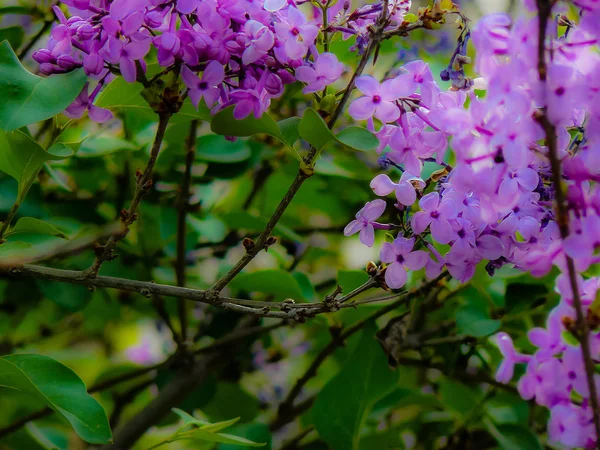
{"x": 59, "y": 388}
{"x": 26, "y": 98}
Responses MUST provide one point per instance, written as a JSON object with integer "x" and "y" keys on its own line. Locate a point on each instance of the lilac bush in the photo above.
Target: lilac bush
{"x": 490, "y": 163}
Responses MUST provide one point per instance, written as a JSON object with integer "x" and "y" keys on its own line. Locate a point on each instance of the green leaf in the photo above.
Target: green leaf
{"x": 225, "y": 124}
{"x": 231, "y": 400}
{"x": 474, "y": 327}
{"x": 507, "y": 408}
{"x": 26, "y": 98}
{"x": 188, "y": 418}
{"x": 207, "y": 436}
{"x": 215, "y": 148}
{"x": 521, "y": 296}
{"x": 124, "y": 96}
{"x": 258, "y": 432}
{"x": 58, "y": 387}
{"x": 48, "y": 437}
{"x": 68, "y": 142}
{"x": 289, "y": 130}
{"x": 358, "y": 138}
{"x": 104, "y": 144}
{"x": 314, "y": 130}
{"x": 206, "y": 432}
{"x": 277, "y": 282}
{"x": 513, "y": 437}
{"x": 214, "y": 427}
{"x": 473, "y": 318}
{"x": 35, "y": 226}
{"x": 22, "y": 158}
{"x": 14, "y": 35}
{"x": 457, "y": 397}
{"x": 342, "y": 405}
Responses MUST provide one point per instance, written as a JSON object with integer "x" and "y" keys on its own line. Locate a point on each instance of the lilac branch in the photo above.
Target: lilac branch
{"x": 562, "y": 215}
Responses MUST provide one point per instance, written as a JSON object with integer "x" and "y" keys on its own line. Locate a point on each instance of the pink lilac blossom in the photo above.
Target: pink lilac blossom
{"x": 495, "y": 206}
{"x": 228, "y": 52}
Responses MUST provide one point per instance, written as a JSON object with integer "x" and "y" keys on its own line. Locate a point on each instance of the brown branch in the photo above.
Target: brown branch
{"x": 143, "y": 185}
{"x": 288, "y": 404}
{"x": 259, "y": 180}
{"x": 292, "y": 444}
{"x": 305, "y": 172}
{"x": 183, "y": 207}
{"x": 562, "y": 215}
{"x": 169, "y": 397}
{"x": 286, "y": 309}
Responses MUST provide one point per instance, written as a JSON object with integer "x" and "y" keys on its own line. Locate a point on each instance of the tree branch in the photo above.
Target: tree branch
{"x": 143, "y": 185}
{"x": 305, "y": 172}
{"x": 287, "y": 309}
{"x": 288, "y": 404}
{"x": 183, "y": 206}
{"x": 562, "y": 215}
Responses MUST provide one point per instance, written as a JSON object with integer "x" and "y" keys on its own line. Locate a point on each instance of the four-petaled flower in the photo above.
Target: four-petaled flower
{"x": 400, "y": 256}
{"x": 436, "y": 212}
{"x": 326, "y": 70}
{"x": 207, "y": 86}
{"x": 365, "y": 222}
{"x": 405, "y": 189}
{"x": 379, "y": 100}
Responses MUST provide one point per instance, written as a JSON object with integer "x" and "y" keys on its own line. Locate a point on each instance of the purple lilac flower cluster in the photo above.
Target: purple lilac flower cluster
{"x": 496, "y": 203}
{"x": 228, "y": 52}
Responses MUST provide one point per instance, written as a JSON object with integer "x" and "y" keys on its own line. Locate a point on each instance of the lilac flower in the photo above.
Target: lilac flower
{"x": 168, "y": 44}
{"x": 125, "y": 54}
{"x": 378, "y": 101}
{"x": 548, "y": 340}
{"x": 405, "y": 189}
{"x": 260, "y": 41}
{"x": 544, "y": 381}
{"x": 511, "y": 357}
{"x": 365, "y": 222}
{"x": 84, "y": 102}
{"x": 327, "y": 69}
{"x": 436, "y": 212}
{"x": 571, "y": 425}
{"x": 207, "y": 86}
{"x": 400, "y": 256}
{"x": 296, "y": 34}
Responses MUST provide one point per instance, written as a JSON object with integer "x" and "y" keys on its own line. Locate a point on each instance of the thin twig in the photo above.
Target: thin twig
{"x": 143, "y": 185}
{"x": 183, "y": 207}
{"x": 287, "y": 309}
{"x": 562, "y": 215}
{"x": 288, "y": 403}
{"x": 292, "y": 444}
{"x": 59, "y": 249}
{"x": 305, "y": 172}
{"x": 9, "y": 218}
